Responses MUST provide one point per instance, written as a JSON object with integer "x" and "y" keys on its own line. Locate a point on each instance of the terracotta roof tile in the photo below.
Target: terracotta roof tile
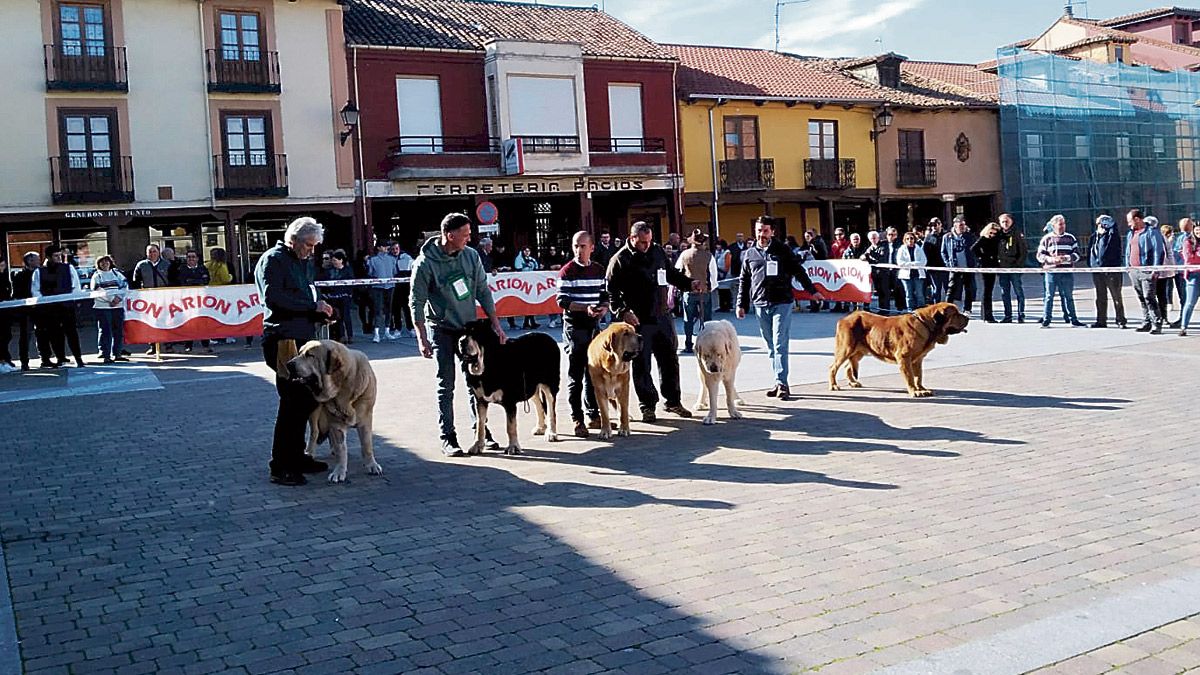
{"x": 743, "y": 72}
{"x": 920, "y": 88}
{"x": 1094, "y": 29}
{"x": 973, "y": 79}
{"x": 1096, "y": 39}
{"x": 1144, "y": 15}
{"x": 468, "y": 24}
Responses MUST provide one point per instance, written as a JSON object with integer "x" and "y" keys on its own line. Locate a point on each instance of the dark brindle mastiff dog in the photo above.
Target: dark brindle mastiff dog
{"x": 903, "y": 340}
{"x": 521, "y": 369}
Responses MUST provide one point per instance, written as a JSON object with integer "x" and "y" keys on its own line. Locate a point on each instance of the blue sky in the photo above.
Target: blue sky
{"x": 928, "y": 30}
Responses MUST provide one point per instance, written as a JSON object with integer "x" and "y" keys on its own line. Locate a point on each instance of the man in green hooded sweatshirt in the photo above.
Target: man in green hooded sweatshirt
{"x": 447, "y": 280}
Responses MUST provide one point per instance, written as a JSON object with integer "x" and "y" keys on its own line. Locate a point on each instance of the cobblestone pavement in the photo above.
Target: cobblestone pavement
{"x": 844, "y": 532}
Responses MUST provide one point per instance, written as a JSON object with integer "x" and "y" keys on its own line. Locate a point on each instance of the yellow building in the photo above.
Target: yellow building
{"x": 764, "y": 133}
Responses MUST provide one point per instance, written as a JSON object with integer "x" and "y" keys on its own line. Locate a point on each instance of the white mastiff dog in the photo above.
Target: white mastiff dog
{"x": 718, "y": 355}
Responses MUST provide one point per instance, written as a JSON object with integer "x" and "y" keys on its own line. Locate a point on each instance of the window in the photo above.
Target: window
{"x": 741, "y": 138}
{"x": 822, "y": 139}
{"x": 1160, "y": 146}
{"x": 81, "y": 30}
{"x": 1123, "y": 151}
{"x": 1119, "y": 54}
{"x": 1033, "y": 151}
{"x": 542, "y": 106}
{"x": 1083, "y": 147}
{"x": 1124, "y": 154}
{"x": 87, "y": 138}
{"x": 912, "y": 145}
{"x": 240, "y": 36}
{"x": 418, "y": 102}
{"x": 246, "y": 138}
{"x": 625, "y": 117}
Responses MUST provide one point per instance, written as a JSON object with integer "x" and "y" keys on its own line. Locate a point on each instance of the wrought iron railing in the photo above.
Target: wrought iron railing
{"x": 242, "y": 175}
{"x": 629, "y": 144}
{"x": 91, "y": 179}
{"x": 550, "y": 143}
{"x": 829, "y": 174}
{"x": 440, "y": 144}
{"x": 916, "y": 172}
{"x": 94, "y": 68}
{"x": 747, "y": 174}
{"x": 255, "y": 72}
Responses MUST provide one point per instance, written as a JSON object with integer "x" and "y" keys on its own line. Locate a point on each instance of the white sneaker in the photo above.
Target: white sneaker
{"x": 376, "y": 338}
{"x": 393, "y": 334}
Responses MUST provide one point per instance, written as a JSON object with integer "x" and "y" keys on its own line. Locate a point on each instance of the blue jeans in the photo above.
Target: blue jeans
{"x": 111, "y": 338}
{"x": 1008, "y": 284}
{"x": 1193, "y": 291}
{"x": 444, "y": 342}
{"x": 914, "y": 292}
{"x": 1064, "y": 284}
{"x": 775, "y": 324}
{"x": 696, "y": 307}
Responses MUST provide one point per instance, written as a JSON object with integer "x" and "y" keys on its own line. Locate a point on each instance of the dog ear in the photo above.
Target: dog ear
{"x": 333, "y": 360}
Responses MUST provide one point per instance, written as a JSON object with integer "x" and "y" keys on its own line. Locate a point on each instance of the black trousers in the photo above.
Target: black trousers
{"x": 989, "y": 286}
{"x": 1146, "y": 287}
{"x": 962, "y": 285}
{"x": 26, "y": 329}
{"x": 1108, "y": 284}
{"x": 63, "y": 316}
{"x": 658, "y": 341}
{"x": 579, "y": 382}
{"x": 46, "y": 327}
{"x": 296, "y": 403}
{"x": 6, "y": 324}
{"x": 401, "y": 312}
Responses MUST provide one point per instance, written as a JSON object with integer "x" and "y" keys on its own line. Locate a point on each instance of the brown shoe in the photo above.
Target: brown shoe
{"x": 677, "y": 409}
{"x": 581, "y": 430}
{"x": 594, "y": 423}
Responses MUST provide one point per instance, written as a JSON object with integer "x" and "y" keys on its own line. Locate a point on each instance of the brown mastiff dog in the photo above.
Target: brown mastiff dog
{"x": 343, "y": 383}
{"x": 610, "y": 364}
{"x": 903, "y": 340}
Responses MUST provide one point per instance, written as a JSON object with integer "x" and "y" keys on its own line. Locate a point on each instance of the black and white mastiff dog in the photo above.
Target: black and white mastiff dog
{"x": 521, "y": 369}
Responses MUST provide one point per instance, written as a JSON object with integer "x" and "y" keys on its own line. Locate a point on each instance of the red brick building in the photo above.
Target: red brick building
{"x": 444, "y": 85}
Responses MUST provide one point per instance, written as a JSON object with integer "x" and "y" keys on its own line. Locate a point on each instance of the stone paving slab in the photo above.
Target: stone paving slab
{"x": 846, "y": 531}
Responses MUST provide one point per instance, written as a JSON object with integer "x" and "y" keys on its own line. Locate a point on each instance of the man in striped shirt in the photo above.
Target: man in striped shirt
{"x": 1059, "y": 249}
{"x": 584, "y": 300}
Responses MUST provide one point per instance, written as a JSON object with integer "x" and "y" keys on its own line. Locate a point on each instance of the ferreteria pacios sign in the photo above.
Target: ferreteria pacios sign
{"x": 524, "y": 185}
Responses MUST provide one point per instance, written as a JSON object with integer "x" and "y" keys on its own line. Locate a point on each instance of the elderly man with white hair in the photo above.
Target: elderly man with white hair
{"x": 1059, "y": 249}
{"x": 284, "y": 276}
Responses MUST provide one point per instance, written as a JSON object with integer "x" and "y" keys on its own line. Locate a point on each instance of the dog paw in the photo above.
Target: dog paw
{"x": 513, "y": 449}
{"x": 552, "y": 437}
{"x": 539, "y": 431}
{"x": 701, "y": 404}
{"x": 624, "y": 431}
{"x": 338, "y": 475}
{"x": 832, "y": 387}
{"x": 709, "y": 420}
{"x": 476, "y": 448}
{"x": 925, "y": 392}
{"x": 735, "y": 415}
{"x": 739, "y": 401}
{"x": 856, "y": 385}
{"x": 605, "y": 434}
{"x": 374, "y": 469}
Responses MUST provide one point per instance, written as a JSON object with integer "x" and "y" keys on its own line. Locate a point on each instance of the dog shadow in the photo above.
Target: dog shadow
{"x": 974, "y": 398}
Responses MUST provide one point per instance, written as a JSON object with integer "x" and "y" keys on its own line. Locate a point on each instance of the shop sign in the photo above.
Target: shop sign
{"x": 115, "y": 213}
{"x": 512, "y": 157}
{"x": 491, "y": 228}
{"x": 529, "y": 185}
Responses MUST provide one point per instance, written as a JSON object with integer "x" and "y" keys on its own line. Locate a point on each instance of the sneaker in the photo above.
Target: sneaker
{"x": 106, "y": 361}
{"x": 677, "y": 409}
{"x": 120, "y": 359}
{"x": 187, "y": 349}
{"x": 150, "y": 351}
{"x": 1144, "y": 328}
{"x": 581, "y": 430}
{"x": 649, "y": 417}
{"x": 125, "y": 353}
{"x": 1045, "y": 324}
{"x": 25, "y": 367}
{"x": 1007, "y": 319}
{"x": 785, "y": 394}
{"x": 1157, "y": 329}
{"x": 288, "y": 478}
{"x": 393, "y": 335}
{"x": 1099, "y": 324}
{"x": 310, "y": 465}
{"x": 1182, "y": 332}
{"x": 375, "y": 339}
{"x": 450, "y": 447}
{"x": 1079, "y": 324}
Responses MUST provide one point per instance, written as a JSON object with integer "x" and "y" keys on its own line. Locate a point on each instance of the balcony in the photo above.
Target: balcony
{"x": 547, "y": 144}
{"x": 242, "y": 75}
{"x": 916, "y": 173}
{"x": 250, "y": 175}
{"x": 429, "y": 145}
{"x": 94, "y": 69}
{"x": 73, "y": 181}
{"x": 644, "y": 154}
{"x": 747, "y": 174}
{"x": 829, "y": 174}
{"x": 414, "y": 156}
{"x": 631, "y": 145}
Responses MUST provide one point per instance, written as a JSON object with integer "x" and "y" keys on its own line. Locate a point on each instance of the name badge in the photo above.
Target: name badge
{"x": 662, "y": 277}
{"x": 772, "y": 268}
{"x": 459, "y": 285}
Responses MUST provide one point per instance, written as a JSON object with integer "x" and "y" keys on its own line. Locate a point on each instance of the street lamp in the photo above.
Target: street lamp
{"x": 349, "y": 113}
{"x": 883, "y": 120}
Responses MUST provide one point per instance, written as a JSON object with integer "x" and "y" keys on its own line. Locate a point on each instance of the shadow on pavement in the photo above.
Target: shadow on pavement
{"x": 980, "y": 398}
{"x": 158, "y": 544}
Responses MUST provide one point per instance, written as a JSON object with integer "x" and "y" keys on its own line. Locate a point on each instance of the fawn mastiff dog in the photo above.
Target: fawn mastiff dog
{"x": 903, "y": 340}
{"x": 610, "y": 366}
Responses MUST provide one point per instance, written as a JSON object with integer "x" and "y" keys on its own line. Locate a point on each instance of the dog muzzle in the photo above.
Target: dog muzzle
{"x": 629, "y": 356}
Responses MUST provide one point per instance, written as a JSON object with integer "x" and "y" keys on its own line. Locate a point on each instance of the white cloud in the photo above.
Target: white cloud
{"x": 828, "y": 27}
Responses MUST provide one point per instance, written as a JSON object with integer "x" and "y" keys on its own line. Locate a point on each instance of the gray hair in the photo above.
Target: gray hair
{"x": 891, "y": 230}
{"x": 486, "y": 241}
{"x": 639, "y": 228}
{"x": 873, "y": 236}
{"x": 304, "y": 228}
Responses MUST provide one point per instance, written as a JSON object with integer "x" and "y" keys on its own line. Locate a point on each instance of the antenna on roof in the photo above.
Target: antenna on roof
{"x": 1069, "y": 7}
{"x": 779, "y": 4}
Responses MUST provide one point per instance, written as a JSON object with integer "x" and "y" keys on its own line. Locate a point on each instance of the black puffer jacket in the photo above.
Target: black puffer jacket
{"x": 633, "y": 282}
{"x": 285, "y": 286}
{"x": 987, "y": 251}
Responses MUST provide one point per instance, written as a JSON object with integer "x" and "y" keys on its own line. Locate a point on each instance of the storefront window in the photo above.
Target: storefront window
{"x": 212, "y": 235}
{"x": 85, "y": 246}
{"x": 20, "y": 243}
{"x": 177, "y": 237}
{"x": 258, "y": 236}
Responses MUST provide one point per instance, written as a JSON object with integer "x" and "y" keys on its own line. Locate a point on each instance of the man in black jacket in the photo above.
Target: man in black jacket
{"x": 932, "y": 245}
{"x": 1106, "y": 251}
{"x": 638, "y": 278}
{"x": 284, "y": 276}
{"x": 768, "y": 268}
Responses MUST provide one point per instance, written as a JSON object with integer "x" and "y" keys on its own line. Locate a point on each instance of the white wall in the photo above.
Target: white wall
{"x": 25, "y": 165}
